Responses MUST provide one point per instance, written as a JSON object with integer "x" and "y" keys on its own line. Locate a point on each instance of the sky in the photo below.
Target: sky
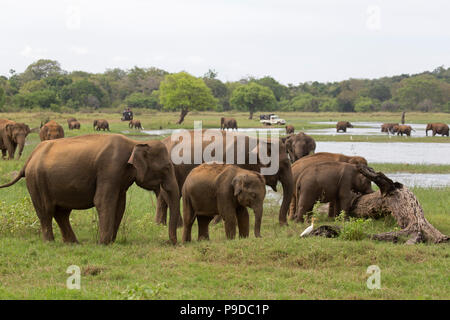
{"x": 292, "y": 41}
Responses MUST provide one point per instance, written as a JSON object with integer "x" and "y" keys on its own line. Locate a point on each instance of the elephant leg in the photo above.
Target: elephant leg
{"x": 45, "y": 218}
{"x": 305, "y": 205}
{"x": 217, "y": 219}
{"x": 161, "y": 209}
{"x": 292, "y": 207}
{"x": 106, "y": 201}
{"x": 203, "y": 227}
{"x": 62, "y": 218}
{"x": 119, "y": 213}
{"x": 4, "y": 153}
{"x": 230, "y": 226}
{"x": 188, "y": 219}
{"x": 243, "y": 222}
{"x": 331, "y": 213}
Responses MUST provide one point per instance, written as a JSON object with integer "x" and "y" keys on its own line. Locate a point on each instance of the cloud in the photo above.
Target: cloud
{"x": 34, "y": 53}
{"x": 79, "y": 50}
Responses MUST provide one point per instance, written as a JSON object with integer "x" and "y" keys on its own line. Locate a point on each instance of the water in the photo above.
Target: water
{"x": 394, "y": 152}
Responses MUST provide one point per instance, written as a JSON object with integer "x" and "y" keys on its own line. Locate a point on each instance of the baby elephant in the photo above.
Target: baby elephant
{"x": 329, "y": 182}
{"x": 343, "y": 125}
{"x": 136, "y": 124}
{"x": 225, "y": 190}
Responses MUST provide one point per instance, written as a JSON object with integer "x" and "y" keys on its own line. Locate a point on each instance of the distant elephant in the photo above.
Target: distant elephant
{"x": 51, "y": 130}
{"x": 70, "y": 120}
{"x": 299, "y": 145}
{"x": 403, "y": 129}
{"x": 388, "y": 127}
{"x": 228, "y": 123}
{"x": 437, "y": 128}
{"x": 300, "y": 165}
{"x": 343, "y": 125}
{"x": 74, "y": 124}
{"x": 12, "y": 134}
{"x": 101, "y": 124}
{"x": 225, "y": 190}
{"x": 136, "y": 124}
{"x": 104, "y": 167}
{"x": 290, "y": 129}
{"x": 329, "y": 182}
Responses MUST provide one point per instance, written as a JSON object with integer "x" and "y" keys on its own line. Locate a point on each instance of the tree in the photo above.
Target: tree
{"x": 181, "y": 91}
{"x": 82, "y": 93}
{"x": 2, "y": 97}
{"x": 252, "y": 97}
{"x": 41, "y": 69}
{"x": 140, "y": 100}
{"x": 366, "y": 104}
{"x": 277, "y": 88}
{"x": 379, "y": 91}
{"x": 346, "y": 101}
{"x": 414, "y": 90}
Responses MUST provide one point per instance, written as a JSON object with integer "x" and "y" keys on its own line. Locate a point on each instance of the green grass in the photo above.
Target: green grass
{"x": 279, "y": 265}
{"x": 412, "y": 168}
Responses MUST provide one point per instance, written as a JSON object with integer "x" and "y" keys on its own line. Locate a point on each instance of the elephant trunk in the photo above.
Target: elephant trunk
{"x": 258, "y": 210}
{"x": 287, "y": 182}
{"x": 170, "y": 186}
{"x": 21, "y": 143}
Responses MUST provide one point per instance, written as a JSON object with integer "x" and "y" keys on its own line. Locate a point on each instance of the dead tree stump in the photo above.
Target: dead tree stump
{"x": 397, "y": 200}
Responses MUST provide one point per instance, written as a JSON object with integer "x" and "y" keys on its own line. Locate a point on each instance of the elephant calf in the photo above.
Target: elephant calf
{"x": 228, "y": 123}
{"x": 290, "y": 129}
{"x": 343, "y": 125}
{"x": 50, "y": 131}
{"x": 74, "y": 124}
{"x": 226, "y": 190}
{"x": 136, "y": 124}
{"x": 329, "y": 182}
{"x": 12, "y": 134}
{"x": 299, "y": 145}
{"x": 403, "y": 129}
{"x": 101, "y": 124}
{"x": 388, "y": 127}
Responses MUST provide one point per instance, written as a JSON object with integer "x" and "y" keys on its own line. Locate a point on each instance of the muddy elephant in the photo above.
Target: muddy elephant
{"x": 403, "y": 129}
{"x": 228, "y": 123}
{"x": 343, "y": 125}
{"x": 104, "y": 167}
{"x": 135, "y": 124}
{"x": 241, "y": 150}
{"x": 101, "y": 124}
{"x": 437, "y": 128}
{"x": 388, "y": 127}
{"x": 329, "y": 182}
{"x": 290, "y": 129}
{"x": 225, "y": 190}
{"x": 299, "y": 145}
{"x": 12, "y": 134}
{"x": 50, "y": 131}
{"x": 300, "y": 165}
{"x": 74, "y": 124}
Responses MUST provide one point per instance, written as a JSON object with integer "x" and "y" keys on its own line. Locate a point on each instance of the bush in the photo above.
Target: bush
{"x": 354, "y": 228}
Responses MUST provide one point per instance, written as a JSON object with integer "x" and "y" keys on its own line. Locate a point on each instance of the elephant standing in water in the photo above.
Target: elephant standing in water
{"x": 228, "y": 123}
{"x": 437, "y": 128}
{"x": 12, "y": 134}
{"x": 283, "y": 174}
{"x": 225, "y": 190}
{"x": 343, "y": 125}
{"x": 403, "y": 129}
{"x": 98, "y": 172}
{"x": 51, "y": 130}
{"x": 388, "y": 127}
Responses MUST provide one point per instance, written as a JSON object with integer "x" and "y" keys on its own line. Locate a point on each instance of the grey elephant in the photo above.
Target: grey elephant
{"x": 299, "y": 145}
{"x": 228, "y": 123}
{"x": 437, "y": 128}
{"x": 343, "y": 125}
{"x": 12, "y": 134}
{"x": 225, "y": 190}
{"x": 101, "y": 124}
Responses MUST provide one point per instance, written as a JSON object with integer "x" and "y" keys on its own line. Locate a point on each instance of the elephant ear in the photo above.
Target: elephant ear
{"x": 238, "y": 184}
{"x": 137, "y": 160}
{"x": 9, "y": 128}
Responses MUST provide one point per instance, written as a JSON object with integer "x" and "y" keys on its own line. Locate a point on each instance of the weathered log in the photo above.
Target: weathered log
{"x": 395, "y": 199}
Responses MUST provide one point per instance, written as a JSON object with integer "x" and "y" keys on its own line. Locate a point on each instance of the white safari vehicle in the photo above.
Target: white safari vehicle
{"x": 273, "y": 120}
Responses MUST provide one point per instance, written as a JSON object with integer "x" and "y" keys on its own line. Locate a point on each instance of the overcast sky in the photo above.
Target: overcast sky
{"x": 293, "y": 41}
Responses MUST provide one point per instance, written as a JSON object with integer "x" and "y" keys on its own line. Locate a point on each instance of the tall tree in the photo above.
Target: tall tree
{"x": 183, "y": 92}
{"x": 41, "y": 69}
{"x": 252, "y": 97}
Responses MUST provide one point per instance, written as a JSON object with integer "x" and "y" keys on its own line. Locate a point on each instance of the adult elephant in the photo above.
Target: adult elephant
{"x": 51, "y": 130}
{"x": 239, "y": 149}
{"x": 101, "y": 124}
{"x": 70, "y": 120}
{"x": 12, "y": 134}
{"x": 343, "y": 125}
{"x": 403, "y": 129}
{"x": 388, "y": 127}
{"x": 437, "y": 128}
{"x": 300, "y": 165}
{"x": 99, "y": 172}
{"x": 299, "y": 145}
{"x": 74, "y": 124}
{"x": 228, "y": 123}
{"x": 290, "y": 129}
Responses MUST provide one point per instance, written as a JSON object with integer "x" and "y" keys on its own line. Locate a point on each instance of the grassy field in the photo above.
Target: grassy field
{"x": 280, "y": 265}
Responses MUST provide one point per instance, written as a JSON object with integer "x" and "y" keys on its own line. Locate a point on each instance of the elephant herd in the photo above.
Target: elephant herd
{"x": 107, "y": 165}
{"x": 401, "y": 129}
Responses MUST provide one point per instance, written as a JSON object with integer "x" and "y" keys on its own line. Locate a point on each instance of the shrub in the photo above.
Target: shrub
{"x": 354, "y": 228}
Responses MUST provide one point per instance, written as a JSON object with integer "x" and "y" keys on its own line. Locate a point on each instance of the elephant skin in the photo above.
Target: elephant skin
{"x": 300, "y": 165}
{"x": 329, "y": 182}
{"x": 343, "y": 125}
{"x": 437, "y": 128}
{"x": 299, "y": 145}
{"x": 74, "y": 124}
{"x": 101, "y": 124}
{"x": 283, "y": 175}
{"x": 388, "y": 127}
{"x": 135, "y": 124}
{"x": 225, "y": 190}
{"x": 228, "y": 123}
{"x": 99, "y": 174}
{"x": 51, "y": 130}
{"x": 12, "y": 134}
{"x": 403, "y": 129}
{"x": 290, "y": 129}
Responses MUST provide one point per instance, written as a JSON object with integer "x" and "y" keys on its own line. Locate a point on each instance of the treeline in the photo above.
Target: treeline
{"x": 45, "y": 85}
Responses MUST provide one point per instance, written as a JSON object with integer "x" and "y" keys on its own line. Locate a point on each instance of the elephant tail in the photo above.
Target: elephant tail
{"x": 17, "y": 178}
